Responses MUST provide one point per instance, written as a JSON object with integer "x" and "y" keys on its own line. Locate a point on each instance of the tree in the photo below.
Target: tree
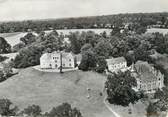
{"x": 88, "y": 61}
{"x": 64, "y": 110}
{"x": 33, "y": 110}
{"x": 101, "y": 64}
{"x": 151, "y": 110}
{"x": 75, "y": 42}
{"x": 18, "y": 47}
{"x": 2, "y": 58}
{"x": 103, "y": 48}
{"x": 52, "y": 42}
{"x": 6, "y": 108}
{"x": 162, "y": 103}
{"x": 2, "y": 76}
{"x": 119, "y": 88}
{"x": 28, "y": 39}
{"x": 29, "y": 56}
{"x": 5, "y": 47}
{"x": 86, "y": 47}
{"x": 159, "y": 94}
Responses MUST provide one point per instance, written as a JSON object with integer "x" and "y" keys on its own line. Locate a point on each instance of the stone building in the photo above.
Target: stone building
{"x": 148, "y": 78}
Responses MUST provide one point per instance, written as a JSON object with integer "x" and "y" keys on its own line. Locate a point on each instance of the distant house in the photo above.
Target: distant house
{"x": 53, "y": 60}
{"x": 116, "y": 64}
{"x": 148, "y": 78}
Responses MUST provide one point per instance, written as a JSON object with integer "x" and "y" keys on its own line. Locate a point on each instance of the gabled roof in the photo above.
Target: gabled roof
{"x": 145, "y": 71}
{"x": 115, "y": 60}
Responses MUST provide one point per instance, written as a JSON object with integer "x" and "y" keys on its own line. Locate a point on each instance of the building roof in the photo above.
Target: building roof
{"x": 115, "y": 60}
{"x": 145, "y": 71}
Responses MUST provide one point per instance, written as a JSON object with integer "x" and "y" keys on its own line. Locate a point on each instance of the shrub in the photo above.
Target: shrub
{"x": 33, "y": 110}
{"x": 64, "y": 110}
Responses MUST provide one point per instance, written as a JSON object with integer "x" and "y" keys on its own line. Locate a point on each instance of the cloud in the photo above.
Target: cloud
{"x": 42, "y": 9}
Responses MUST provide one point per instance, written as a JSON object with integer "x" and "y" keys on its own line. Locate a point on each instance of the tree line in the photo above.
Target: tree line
{"x": 7, "y": 108}
{"x": 137, "y": 19}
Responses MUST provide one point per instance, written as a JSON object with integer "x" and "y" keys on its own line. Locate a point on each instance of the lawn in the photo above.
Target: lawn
{"x": 52, "y": 89}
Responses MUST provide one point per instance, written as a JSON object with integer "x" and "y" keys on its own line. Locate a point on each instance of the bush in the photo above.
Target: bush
{"x": 6, "y": 108}
{"x": 33, "y": 110}
{"x": 64, "y": 110}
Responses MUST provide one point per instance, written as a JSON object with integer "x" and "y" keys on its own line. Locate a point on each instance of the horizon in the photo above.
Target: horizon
{"x": 20, "y": 10}
{"x": 47, "y": 19}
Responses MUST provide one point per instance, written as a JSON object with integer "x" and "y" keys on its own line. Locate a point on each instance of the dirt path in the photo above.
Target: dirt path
{"x": 110, "y": 109}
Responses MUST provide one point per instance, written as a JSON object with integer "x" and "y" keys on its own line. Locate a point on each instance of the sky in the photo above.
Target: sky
{"x": 12, "y": 10}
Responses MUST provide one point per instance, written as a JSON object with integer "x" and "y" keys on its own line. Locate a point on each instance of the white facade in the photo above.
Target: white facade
{"x": 53, "y": 60}
{"x": 116, "y": 64}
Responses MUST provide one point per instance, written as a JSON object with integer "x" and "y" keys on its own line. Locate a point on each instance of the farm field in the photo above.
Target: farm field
{"x": 153, "y": 30}
{"x": 52, "y": 89}
{"x": 14, "y": 38}
{"x": 67, "y": 31}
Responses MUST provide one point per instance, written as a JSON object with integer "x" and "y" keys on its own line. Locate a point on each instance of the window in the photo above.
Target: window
{"x": 50, "y": 65}
{"x": 70, "y": 65}
{"x": 55, "y": 61}
{"x": 56, "y": 65}
{"x": 63, "y": 65}
{"x": 69, "y": 59}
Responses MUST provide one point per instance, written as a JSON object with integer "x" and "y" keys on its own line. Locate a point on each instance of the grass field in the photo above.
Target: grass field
{"x": 52, "y": 89}
{"x": 13, "y": 38}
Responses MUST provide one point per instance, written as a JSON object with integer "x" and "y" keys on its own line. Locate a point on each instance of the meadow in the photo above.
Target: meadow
{"x": 52, "y": 89}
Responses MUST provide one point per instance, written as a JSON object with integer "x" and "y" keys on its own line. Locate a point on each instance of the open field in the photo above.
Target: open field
{"x": 51, "y": 89}
{"x": 160, "y": 30}
{"x": 13, "y": 38}
{"x": 67, "y": 31}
